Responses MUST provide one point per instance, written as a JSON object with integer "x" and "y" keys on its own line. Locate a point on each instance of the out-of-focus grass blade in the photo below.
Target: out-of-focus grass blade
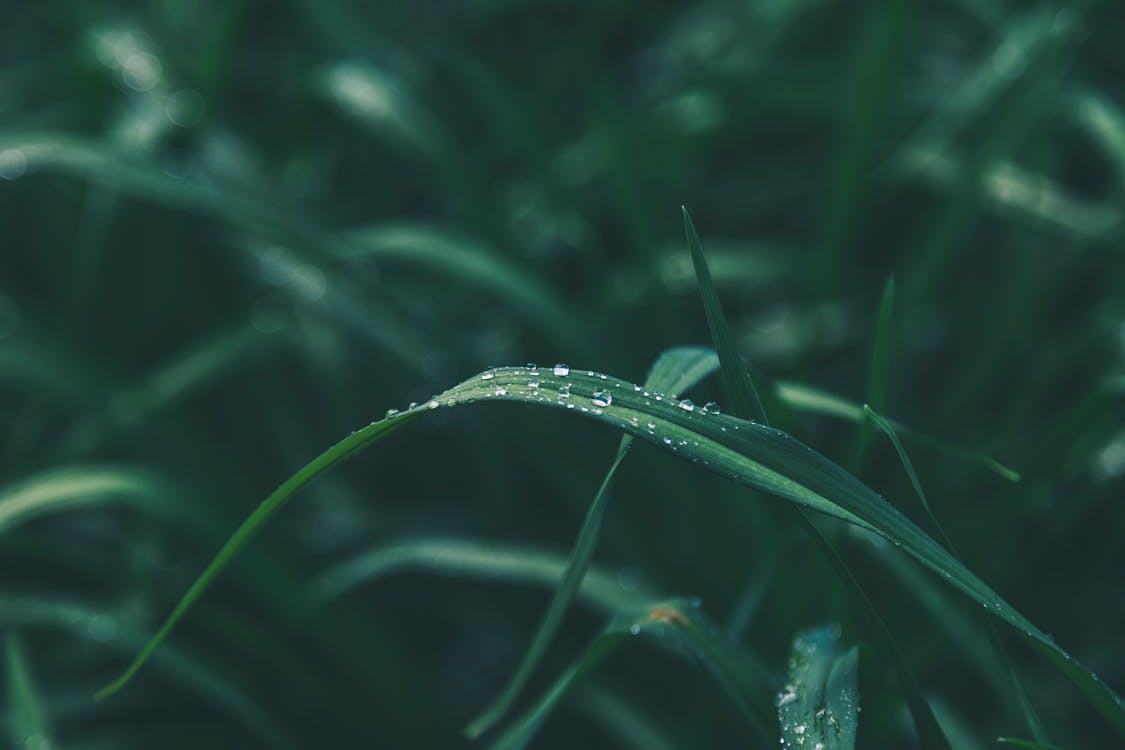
{"x": 675, "y": 624}
{"x": 190, "y": 671}
{"x": 736, "y": 380}
{"x": 929, "y": 732}
{"x": 1029, "y": 744}
{"x": 78, "y": 486}
{"x": 1022, "y": 698}
{"x": 745, "y": 452}
{"x": 815, "y": 401}
{"x": 819, "y": 706}
{"x": 674, "y": 371}
{"x": 478, "y": 560}
{"x": 27, "y": 721}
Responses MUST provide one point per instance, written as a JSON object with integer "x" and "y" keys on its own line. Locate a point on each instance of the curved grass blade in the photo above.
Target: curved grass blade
{"x": 27, "y": 721}
{"x": 675, "y": 624}
{"x": 1022, "y": 698}
{"x": 478, "y": 560}
{"x": 819, "y": 706}
{"x": 812, "y": 400}
{"x": 744, "y": 452}
{"x": 736, "y": 380}
{"x": 621, "y": 720}
{"x": 674, "y": 371}
{"x": 78, "y": 486}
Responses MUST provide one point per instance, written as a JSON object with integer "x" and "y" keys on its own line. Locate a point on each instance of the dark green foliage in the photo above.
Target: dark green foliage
{"x": 235, "y": 233}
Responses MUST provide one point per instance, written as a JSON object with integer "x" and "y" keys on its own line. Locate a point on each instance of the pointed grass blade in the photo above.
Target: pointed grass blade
{"x": 736, "y": 380}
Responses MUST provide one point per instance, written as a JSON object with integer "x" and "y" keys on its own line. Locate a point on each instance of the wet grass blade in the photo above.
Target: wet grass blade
{"x": 745, "y": 452}
{"x": 1029, "y": 713}
{"x": 27, "y": 720}
{"x": 819, "y": 706}
{"x": 736, "y": 380}
{"x": 477, "y": 560}
{"x": 675, "y": 371}
{"x": 675, "y": 624}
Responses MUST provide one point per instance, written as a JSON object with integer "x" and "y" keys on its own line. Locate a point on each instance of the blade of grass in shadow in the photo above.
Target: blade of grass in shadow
{"x": 819, "y": 705}
{"x": 1028, "y": 710}
{"x": 736, "y": 376}
{"x": 675, "y": 624}
{"x": 27, "y": 720}
{"x": 880, "y": 364}
{"x": 745, "y": 452}
{"x": 815, "y": 401}
{"x": 736, "y": 379}
{"x": 478, "y": 560}
{"x": 674, "y": 371}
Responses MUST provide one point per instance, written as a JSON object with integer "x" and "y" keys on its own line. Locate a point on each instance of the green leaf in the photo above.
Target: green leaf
{"x": 736, "y": 380}
{"x": 819, "y": 706}
{"x": 675, "y": 370}
{"x": 478, "y": 560}
{"x": 745, "y": 452}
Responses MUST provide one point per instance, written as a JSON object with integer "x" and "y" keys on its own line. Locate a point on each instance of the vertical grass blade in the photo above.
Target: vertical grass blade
{"x": 674, "y": 371}
{"x": 737, "y": 384}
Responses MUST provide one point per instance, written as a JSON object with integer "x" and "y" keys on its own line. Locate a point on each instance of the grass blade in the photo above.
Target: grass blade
{"x": 479, "y": 560}
{"x": 819, "y": 706}
{"x": 736, "y": 380}
{"x": 675, "y": 370}
{"x": 748, "y": 453}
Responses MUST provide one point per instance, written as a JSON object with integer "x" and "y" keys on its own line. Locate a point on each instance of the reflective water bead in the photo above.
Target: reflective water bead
{"x": 687, "y": 405}
{"x": 561, "y": 370}
{"x": 711, "y": 407}
{"x": 601, "y": 398}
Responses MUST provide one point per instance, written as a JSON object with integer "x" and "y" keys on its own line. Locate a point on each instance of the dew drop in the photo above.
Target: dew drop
{"x": 561, "y": 370}
{"x": 433, "y": 405}
{"x": 501, "y": 391}
{"x": 564, "y": 391}
{"x": 412, "y": 405}
{"x": 687, "y": 405}
{"x": 602, "y": 398}
{"x": 487, "y": 375}
{"x": 391, "y": 413}
{"x": 531, "y": 366}
{"x": 635, "y": 629}
{"x": 533, "y": 384}
{"x": 667, "y": 441}
{"x": 711, "y": 407}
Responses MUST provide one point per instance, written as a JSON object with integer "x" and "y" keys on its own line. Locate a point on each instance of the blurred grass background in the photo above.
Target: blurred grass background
{"x": 233, "y": 232}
